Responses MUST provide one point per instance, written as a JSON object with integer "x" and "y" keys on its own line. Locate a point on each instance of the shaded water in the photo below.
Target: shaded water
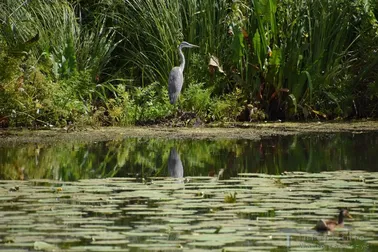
{"x": 181, "y": 195}
{"x": 143, "y": 157}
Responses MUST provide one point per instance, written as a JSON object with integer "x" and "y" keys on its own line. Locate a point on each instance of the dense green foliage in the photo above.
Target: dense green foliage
{"x": 107, "y": 62}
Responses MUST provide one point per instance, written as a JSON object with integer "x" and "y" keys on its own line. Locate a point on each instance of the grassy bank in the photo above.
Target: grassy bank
{"x": 107, "y": 63}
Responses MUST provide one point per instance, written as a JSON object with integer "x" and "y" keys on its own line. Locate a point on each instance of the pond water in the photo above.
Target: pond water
{"x": 154, "y": 194}
{"x": 150, "y": 157}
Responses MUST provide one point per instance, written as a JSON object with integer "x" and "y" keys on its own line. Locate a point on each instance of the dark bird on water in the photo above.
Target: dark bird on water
{"x": 330, "y": 225}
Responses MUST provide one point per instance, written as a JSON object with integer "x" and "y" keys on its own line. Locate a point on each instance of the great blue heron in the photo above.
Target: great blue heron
{"x": 176, "y": 77}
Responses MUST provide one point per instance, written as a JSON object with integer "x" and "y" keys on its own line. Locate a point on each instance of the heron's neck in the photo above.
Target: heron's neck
{"x": 341, "y": 218}
{"x": 182, "y": 59}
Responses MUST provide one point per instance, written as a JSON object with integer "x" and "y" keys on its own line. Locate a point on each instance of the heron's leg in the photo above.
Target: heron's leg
{"x": 179, "y": 111}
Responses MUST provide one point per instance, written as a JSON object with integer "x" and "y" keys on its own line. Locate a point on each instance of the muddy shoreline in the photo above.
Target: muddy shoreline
{"x": 225, "y": 131}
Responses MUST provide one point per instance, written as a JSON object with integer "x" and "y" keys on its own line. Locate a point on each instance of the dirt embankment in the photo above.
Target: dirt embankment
{"x": 230, "y": 130}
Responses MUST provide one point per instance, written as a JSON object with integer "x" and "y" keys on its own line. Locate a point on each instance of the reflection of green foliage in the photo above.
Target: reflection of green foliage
{"x": 144, "y": 157}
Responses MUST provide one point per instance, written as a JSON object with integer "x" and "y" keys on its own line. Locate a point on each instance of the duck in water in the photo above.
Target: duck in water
{"x": 330, "y": 225}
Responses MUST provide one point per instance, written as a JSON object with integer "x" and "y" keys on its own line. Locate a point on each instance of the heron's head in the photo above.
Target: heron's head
{"x": 185, "y": 44}
{"x": 345, "y": 213}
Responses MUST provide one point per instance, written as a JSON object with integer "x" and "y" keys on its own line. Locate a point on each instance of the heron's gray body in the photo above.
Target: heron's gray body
{"x": 176, "y": 76}
{"x": 176, "y": 79}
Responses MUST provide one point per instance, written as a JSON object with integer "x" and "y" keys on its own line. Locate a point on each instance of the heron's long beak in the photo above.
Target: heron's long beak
{"x": 349, "y": 216}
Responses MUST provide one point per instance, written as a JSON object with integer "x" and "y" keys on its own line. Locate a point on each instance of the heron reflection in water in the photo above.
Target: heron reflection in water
{"x": 175, "y": 168}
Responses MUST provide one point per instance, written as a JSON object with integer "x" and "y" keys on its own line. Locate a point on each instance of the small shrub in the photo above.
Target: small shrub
{"x": 121, "y": 108}
{"x": 226, "y": 107}
{"x": 197, "y": 99}
{"x": 151, "y": 103}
